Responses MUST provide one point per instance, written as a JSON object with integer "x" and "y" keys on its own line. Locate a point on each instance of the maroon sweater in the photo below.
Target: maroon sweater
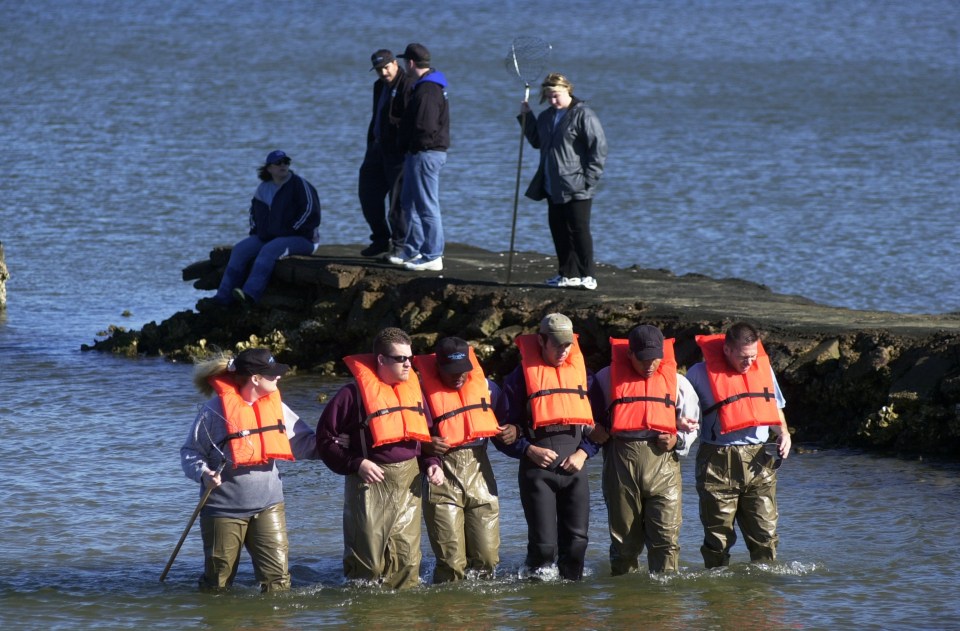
{"x": 342, "y": 416}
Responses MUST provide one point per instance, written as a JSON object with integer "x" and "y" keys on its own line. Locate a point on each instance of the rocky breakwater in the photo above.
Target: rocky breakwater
{"x": 877, "y": 380}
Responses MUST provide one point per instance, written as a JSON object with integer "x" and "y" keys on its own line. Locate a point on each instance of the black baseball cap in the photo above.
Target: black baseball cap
{"x": 646, "y": 342}
{"x": 258, "y": 361}
{"x": 416, "y": 52}
{"x": 453, "y": 355}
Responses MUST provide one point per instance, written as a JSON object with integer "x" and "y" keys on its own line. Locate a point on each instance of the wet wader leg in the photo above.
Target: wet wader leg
{"x": 757, "y": 516}
{"x": 621, "y": 494}
{"x": 539, "y": 500}
{"x": 481, "y": 513}
{"x": 719, "y": 496}
{"x": 662, "y": 508}
{"x": 222, "y": 541}
{"x": 269, "y": 550}
{"x": 402, "y": 557}
{"x": 364, "y": 541}
{"x": 573, "y": 515}
{"x": 443, "y": 514}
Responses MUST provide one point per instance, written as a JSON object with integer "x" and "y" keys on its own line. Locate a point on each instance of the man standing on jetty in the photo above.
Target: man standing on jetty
{"x": 549, "y": 403}
{"x": 736, "y": 467}
{"x": 463, "y": 513}
{"x": 652, "y": 414}
{"x": 425, "y": 137}
{"x": 371, "y": 432}
{"x": 380, "y": 173}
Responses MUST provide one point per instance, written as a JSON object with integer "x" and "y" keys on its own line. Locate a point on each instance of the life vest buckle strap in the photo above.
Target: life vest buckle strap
{"x": 665, "y": 400}
{"x": 418, "y": 408}
{"x": 579, "y": 391}
{"x": 474, "y": 406}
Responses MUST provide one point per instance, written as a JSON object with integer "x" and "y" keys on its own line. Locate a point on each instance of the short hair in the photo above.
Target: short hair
{"x": 741, "y": 334}
{"x": 554, "y": 81}
{"x": 387, "y": 337}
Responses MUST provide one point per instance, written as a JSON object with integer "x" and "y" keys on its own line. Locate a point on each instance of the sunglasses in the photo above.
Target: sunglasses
{"x": 400, "y": 359}
{"x": 280, "y": 162}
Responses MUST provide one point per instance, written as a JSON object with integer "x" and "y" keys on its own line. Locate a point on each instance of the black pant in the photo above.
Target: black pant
{"x": 570, "y": 228}
{"x": 380, "y": 177}
{"x": 556, "y": 505}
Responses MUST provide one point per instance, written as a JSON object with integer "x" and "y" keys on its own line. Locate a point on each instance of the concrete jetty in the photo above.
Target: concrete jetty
{"x": 872, "y": 379}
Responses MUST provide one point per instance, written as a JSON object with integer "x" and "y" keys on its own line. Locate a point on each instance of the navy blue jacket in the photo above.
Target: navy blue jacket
{"x": 294, "y": 211}
{"x": 426, "y": 122}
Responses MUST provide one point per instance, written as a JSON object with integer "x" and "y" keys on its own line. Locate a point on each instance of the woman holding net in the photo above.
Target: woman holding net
{"x": 573, "y": 149}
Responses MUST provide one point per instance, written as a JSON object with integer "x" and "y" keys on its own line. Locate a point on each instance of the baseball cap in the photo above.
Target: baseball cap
{"x": 416, "y": 52}
{"x": 559, "y": 327}
{"x": 258, "y": 361}
{"x": 276, "y": 156}
{"x": 453, "y": 355}
{"x": 381, "y": 58}
{"x": 646, "y": 342}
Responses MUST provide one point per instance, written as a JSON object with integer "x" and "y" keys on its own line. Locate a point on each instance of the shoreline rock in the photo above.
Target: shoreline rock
{"x": 875, "y": 380}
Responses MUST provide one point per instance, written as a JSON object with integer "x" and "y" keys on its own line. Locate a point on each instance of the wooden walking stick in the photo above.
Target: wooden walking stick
{"x": 193, "y": 518}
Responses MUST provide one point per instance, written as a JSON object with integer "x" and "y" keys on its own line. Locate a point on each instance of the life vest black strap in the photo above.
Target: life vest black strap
{"x": 418, "y": 408}
{"x": 247, "y": 432}
{"x": 665, "y": 400}
{"x": 542, "y": 393}
{"x": 483, "y": 405}
{"x": 765, "y": 395}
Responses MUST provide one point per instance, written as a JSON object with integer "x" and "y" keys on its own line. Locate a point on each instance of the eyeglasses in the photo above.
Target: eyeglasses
{"x": 400, "y": 359}
{"x": 280, "y": 162}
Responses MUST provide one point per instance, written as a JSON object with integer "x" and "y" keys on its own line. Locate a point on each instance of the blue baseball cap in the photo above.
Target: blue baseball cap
{"x": 277, "y": 156}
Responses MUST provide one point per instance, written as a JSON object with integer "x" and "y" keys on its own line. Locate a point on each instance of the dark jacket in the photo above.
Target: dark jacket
{"x": 294, "y": 211}
{"x": 342, "y": 416}
{"x": 392, "y": 113}
{"x": 563, "y": 439}
{"x": 426, "y": 123}
{"x": 571, "y": 155}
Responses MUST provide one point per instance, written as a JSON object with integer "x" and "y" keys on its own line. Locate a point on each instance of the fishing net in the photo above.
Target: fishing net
{"x": 527, "y": 58}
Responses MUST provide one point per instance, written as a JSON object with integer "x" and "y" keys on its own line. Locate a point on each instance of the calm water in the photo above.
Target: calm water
{"x": 808, "y": 146}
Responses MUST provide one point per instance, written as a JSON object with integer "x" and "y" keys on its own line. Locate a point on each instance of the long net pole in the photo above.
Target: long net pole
{"x": 526, "y": 60}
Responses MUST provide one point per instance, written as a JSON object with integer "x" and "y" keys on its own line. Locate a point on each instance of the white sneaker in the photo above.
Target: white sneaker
{"x": 396, "y": 259}
{"x": 563, "y": 281}
{"x": 435, "y": 265}
{"x": 588, "y": 282}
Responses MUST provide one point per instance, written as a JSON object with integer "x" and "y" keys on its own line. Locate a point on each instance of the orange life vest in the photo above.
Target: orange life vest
{"x": 637, "y": 403}
{"x": 557, "y": 395}
{"x": 743, "y": 400}
{"x": 255, "y": 433}
{"x": 461, "y": 416}
{"x": 394, "y": 413}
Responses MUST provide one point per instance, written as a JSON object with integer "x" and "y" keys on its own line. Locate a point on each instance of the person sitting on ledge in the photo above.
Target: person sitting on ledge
{"x": 284, "y": 221}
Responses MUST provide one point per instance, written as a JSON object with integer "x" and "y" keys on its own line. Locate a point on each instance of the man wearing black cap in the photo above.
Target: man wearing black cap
{"x": 380, "y": 173}
{"x": 232, "y": 449}
{"x": 463, "y": 513}
{"x": 548, "y": 402}
{"x": 651, "y": 414}
{"x": 425, "y": 137}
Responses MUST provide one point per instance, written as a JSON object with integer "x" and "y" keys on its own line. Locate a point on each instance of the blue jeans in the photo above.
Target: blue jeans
{"x": 264, "y": 255}
{"x": 420, "y": 199}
